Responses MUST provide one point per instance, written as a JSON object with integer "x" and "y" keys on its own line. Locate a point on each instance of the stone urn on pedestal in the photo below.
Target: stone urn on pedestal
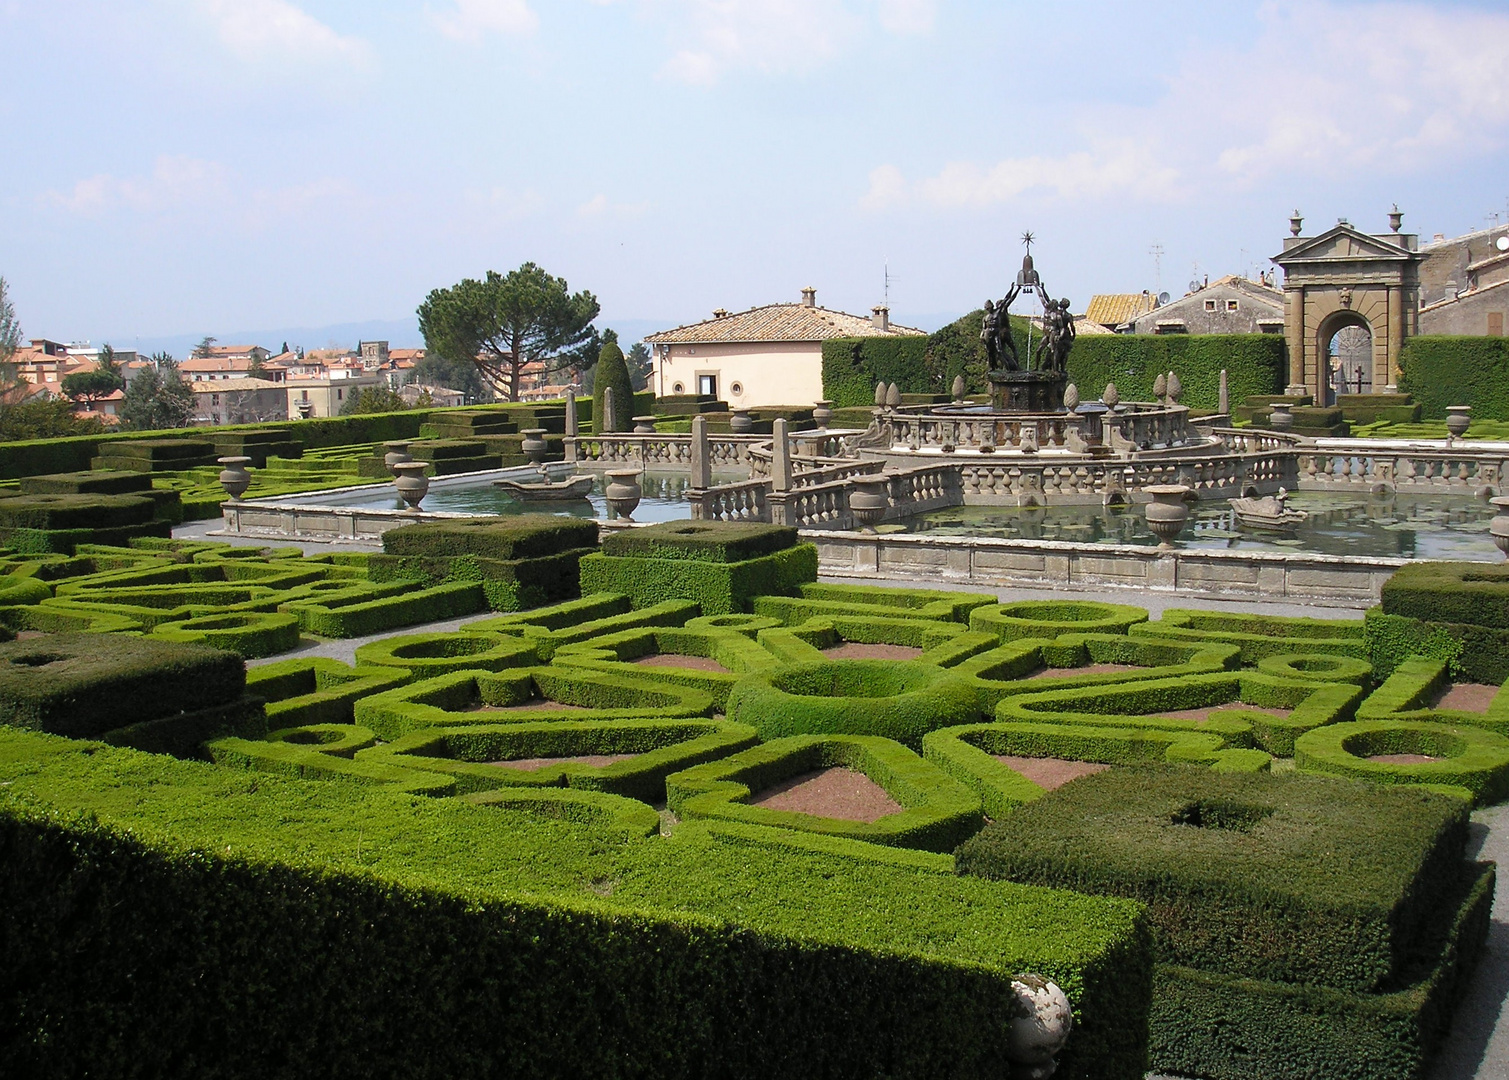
{"x": 411, "y": 483}
{"x": 234, "y": 476}
{"x": 869, "y": 499}
{"x": 398, "y": 453}
{"x": 1167, "y": 512}
{"x": 534, "y": 445}
{"x": 822, "y": 412}
{"x": 739, "y": 422}
{"x": 1499, "y": 526}
{"x": 623, "y": 492}
{"x": 1458, "y": 420}
{"x": 1280, "y": 418}
{"x": 644, "y": 425}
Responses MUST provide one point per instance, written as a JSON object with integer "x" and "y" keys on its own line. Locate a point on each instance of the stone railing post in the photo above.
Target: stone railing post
{"x": 573, "y": 429}
{"x": 702, "y": 462}
{"x": 780, "y": 456}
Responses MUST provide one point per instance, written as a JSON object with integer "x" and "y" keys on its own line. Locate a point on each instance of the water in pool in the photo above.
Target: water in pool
{"x": 1399, "y": 526}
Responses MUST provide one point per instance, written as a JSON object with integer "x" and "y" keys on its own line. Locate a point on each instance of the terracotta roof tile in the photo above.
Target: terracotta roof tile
{"x": 1113, "y": 309}
{"x": 779, "y": 322}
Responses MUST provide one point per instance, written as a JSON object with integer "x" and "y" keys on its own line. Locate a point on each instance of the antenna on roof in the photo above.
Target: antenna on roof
{"x": 1156, "y": 251}
{"x": 887, "y": 291}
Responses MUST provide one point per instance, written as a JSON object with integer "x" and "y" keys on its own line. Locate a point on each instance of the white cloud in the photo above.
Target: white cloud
{"x": 769, "y": 36}
{"x": 887, "y": 189}
{"x": 471, "y": 20}
{"x": 599, "y": 206}
{"x": 259, "y": 30}
{"x": 175, "y": 181}
{"x": 908, "y": 16}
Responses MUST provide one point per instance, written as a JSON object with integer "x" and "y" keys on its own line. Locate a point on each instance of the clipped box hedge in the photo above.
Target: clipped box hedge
{"x": 88, "y": 482}
{"x": 1050, "y": 618}
{"x": 1233, "y": 867}
{"x": 74, "y": 511}
{"x": 509, "y": 584}
{"x": 1474, "y": 653}
{"x": 424, "y": 656}
{"x": 527, "y": 536}
{"x": 252, "y": 925}
{"x": 365, "y": 617}
{"x": 1450, "y": 592}
{"x": 1465, "y": 757}
{"x": 82, "y": 685}
{"x": 938, "y": 813}
{"x": 701, "y": 541}
{"x": 822, "y": 600}
{"x": 718, "y": 587}
{"x": 1260, "y": 636}
{"x": 316, "y": 690}
{"x": 250, "y": 635}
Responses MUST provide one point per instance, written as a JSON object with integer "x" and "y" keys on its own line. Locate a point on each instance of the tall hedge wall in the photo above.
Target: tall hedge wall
{"x": 1254, "y": 363}
{"x": 1442, "y": 371}
{"x": 852, "y": 367}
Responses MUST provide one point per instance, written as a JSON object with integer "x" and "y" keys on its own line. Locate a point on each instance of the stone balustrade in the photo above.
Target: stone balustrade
{"x": 1445, "y": 472}
{"x": 659, "y": 451}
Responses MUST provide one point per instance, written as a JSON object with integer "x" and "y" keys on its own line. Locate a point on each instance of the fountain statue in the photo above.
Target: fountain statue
{"x": 1039, "y": 387}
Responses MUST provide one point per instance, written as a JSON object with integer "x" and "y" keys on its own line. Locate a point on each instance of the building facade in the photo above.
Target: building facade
{"x": 239, "y": 401}
{"x": 770, "y": 355}
{"x": 1230, "y": 305}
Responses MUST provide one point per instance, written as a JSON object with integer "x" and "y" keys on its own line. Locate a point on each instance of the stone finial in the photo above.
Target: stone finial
{"x": 1296, "y": 223}
{"x": 892, "y": 396}
{"x": 1175, "y": 387}
{"x": 1041, "y": 1021}
{"x": 1111, "y": 397}
{"x": 1071, "y": 397}
{"x": 879, "y": 394}
{"x": 1223, "y": 404}
{"x": 1395, "y": 219}
{"x": 958, "y": 388}
{"x": 1160, "y": 386}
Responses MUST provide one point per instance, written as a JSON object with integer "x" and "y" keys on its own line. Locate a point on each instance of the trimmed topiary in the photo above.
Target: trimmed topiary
{"x": 250, "y": 634}
{"x": 612, "y": 371}
{"x": 823, "y": 600}
{"x": 937, "y": 812}
{"x": 1050, "y": 618}
{"x": 701, "y": 541}
{"x": 1259, "y": 636}
{"x": 1462, "y": 756}
{"x": 427, "y": 655}
{"x": 595, "y": 809}
{"x": 718, "y": 587}
{"x": 901, "y": 701}
{"x": 315, "y": 690}
{"x": 526, "y": 536}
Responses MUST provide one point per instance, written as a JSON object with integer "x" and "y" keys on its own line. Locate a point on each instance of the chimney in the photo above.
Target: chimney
{"x": 720, "y": 313}
{"x": 880, "y": 317}
{"x": 809, "y": 297}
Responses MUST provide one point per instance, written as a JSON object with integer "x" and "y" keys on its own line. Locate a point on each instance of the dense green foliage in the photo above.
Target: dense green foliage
{"x": 852, "y": 367}
{"x": 718, "y": 587}
{"x": 157, "y": 397}
{"x": 1049, "y": 618}
{"x": 1452, "y": 611}
{"x": 1230, "y": 869}
{"x": 698, "y": 541}
{"x": 612, "y": 372}
{"x": 1442, "y": 371}
{"x": 1254, "y": 364}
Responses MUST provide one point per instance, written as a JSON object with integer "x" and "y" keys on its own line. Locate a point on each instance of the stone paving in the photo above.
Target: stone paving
{"x": 1478, "y": 1045}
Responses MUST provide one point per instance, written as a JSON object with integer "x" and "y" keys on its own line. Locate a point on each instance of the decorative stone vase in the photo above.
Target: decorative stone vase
{"x": 739, "y": 422}
{"x": 1280, "y": 419}
{"x": 235, "y": 477}
{"x": 1039, "y": 1027}
{"x": 869, "y": 498}
{"x": 398, "y": 453}
{"x": 534, "y": 445}
{"x": 822, "y": 412}
{"x": 1499, "y": 526}
{"x": 1167, "y": 512}
{"x": 1458, "y": 420}
{"x": 644, "y": 425}
{"x": 623, "y": 492}
{"x": 412, "y": 484}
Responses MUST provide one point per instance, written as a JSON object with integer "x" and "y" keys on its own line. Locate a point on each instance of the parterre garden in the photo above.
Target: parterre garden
{"x": 667, "y": 806}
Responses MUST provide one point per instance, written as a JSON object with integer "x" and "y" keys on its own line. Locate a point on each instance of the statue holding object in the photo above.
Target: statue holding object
{"x": 1033, "y": 383}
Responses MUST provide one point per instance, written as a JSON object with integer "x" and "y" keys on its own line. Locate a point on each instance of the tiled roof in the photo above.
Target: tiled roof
{"x": 222, "y": 386}
{"x": 1113, "y": 309}
{"x": 779, "y": 322}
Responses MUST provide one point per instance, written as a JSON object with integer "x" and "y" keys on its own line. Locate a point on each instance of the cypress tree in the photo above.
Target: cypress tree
{"x": 612, "y": 371}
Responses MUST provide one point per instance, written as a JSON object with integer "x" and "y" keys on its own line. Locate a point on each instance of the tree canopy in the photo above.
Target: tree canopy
{"x": 462, "y": 375}
{"x": 10, "y": 327}
{"x": 90, "y": 386}
{"x": 373, "y": 399}
{"x": 611, "y": 371}
{"x": 509, "y": 320}
{"x": 158, "y": 397}
{"x": 640, "y": 365}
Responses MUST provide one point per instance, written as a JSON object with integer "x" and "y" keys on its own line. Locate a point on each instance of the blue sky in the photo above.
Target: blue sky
{"x": 177, "y": 167}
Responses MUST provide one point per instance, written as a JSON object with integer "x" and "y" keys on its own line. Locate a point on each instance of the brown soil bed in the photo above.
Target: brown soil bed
{"x": 681, "y": 660}
{"x": 855, "y": 650}
{"x": 1204, "y": 713}
{"x": 28, "y": 635}
{"x": 1050, "y": 773}
{"x": 1465, "y": 697}
{"x": 831, "y": 793}
{"x": 536, "y": 705}
{"x": 597, "y": 761}
{"x": 1072, "y": 672}
{"x": 1402, "y": 759}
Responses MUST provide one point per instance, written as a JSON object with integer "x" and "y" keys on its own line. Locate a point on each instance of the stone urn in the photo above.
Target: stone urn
{"x": 869, "y": 499}
{"x": 1499, "y": 526}
{"x": 534, "y": 445}
{"x": 234, "y": 476}
{"x": 623, "y": 492}
{"x": 398, "y": 453}
{"x": 1458, "y": 420}
{"x": 412, "y": 484}
{"x": 1167, "y": 512}
{"x": 1039, "y": 1027}
{"x": 1280, "y": 418}
{"x": 822, "y": 412}
{"x": 644, "y": 425}
{"x": 739, "y": 422}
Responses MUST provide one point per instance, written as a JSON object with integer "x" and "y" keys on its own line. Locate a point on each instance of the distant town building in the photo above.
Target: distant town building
{"x": 770, "y": 355}
{"x": 1230, "y": 305}
{"x": 239, "y": 401}
{"x": 1464, "y": 284}
{"x": 439, "y": 395}
{"x": 310, "y": 396}
{"x": 1117, "y": 310}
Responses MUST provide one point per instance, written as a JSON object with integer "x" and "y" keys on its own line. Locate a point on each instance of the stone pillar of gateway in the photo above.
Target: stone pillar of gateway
{"x": 1342, "y": 278}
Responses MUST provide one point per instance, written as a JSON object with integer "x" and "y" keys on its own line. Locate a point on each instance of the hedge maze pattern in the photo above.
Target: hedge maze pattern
{"x": 614, "y": 749}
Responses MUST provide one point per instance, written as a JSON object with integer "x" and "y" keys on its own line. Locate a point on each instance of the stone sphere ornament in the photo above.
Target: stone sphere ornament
{"x": 1039, "y": 1027}
{"x": 623, "y": 492}
{"x": 235, "y": 478}
{"x": 1167, "y": 513}
{"x": 411, "y": 482}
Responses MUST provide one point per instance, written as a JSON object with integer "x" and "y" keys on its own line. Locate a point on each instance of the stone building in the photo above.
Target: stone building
{"x": 1464, "y": 284}
{"x": 770, "y": 355}
{"x": 238, "y": 401}
{"x": 1230, "y": 305}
